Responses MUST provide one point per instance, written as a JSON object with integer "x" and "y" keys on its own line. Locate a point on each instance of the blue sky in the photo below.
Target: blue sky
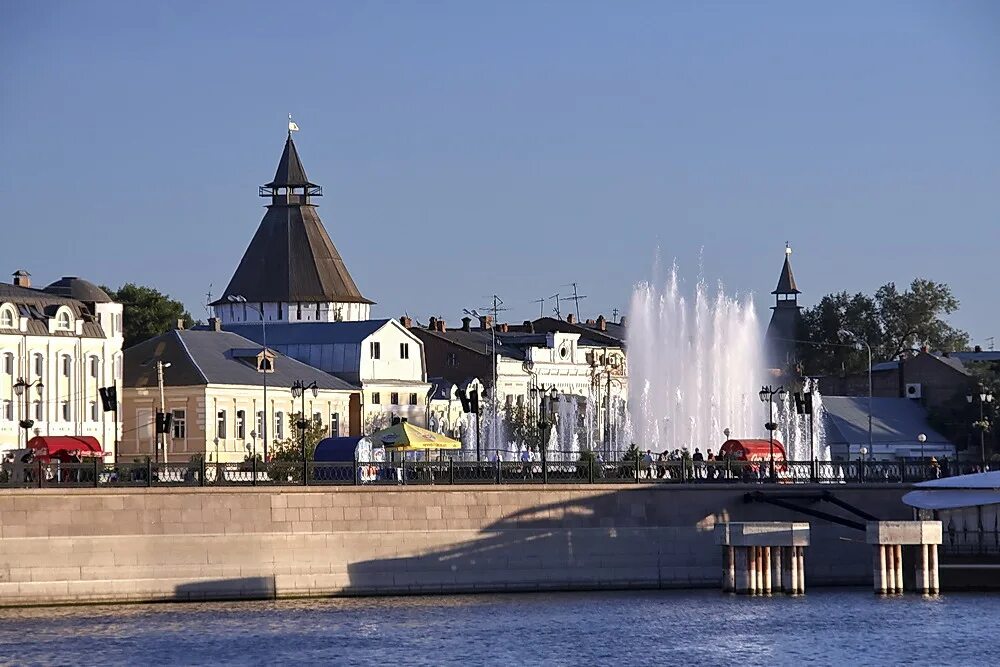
{"x": 467, "y": 148}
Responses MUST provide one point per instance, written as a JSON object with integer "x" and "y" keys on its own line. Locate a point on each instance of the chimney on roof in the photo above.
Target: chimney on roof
{"x": 977, "y": 348}
{"x": 591, "y": 322}
{"x": 571, "y": 318}
{"x": 602, "y": 324}
{"x": 485, "y": 322}
{"x": 215, "y": 324}
{"x": 406, "y": 321}
{"x": 441, "y": 327}
{"x": 529, "y": 326}
{"x": 621, "y": 321}
{"x": 180, "y": 324}
{"x": 433, "y": 324}
{"x": 504, "y": 328}
{"x": 22, "y": 278}
{"x": 466, "y": 324}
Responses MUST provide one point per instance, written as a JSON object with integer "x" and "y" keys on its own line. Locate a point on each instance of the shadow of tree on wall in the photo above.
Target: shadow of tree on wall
{"x": 629, "y": 538}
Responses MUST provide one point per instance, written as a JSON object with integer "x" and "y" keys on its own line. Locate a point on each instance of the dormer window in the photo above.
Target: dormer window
{"x": 8, "y": 318}
{"x": 64, "y": 321}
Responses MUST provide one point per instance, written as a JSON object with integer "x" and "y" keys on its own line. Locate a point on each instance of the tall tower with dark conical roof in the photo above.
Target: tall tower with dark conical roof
{"x": 291, "y": 271}
{"x": 783, "y": 329}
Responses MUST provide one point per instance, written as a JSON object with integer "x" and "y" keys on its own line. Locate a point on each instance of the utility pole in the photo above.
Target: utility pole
{"x": 160, "y": 437}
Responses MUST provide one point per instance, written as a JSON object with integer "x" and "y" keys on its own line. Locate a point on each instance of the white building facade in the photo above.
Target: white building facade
{"x": 58, "y": 347}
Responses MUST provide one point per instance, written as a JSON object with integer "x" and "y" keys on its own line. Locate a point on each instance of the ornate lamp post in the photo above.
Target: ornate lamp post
{"x": 299, "y": 389}
{"x": 983, "y": 424}
{"x": 767, "y": 394}
{"x": 921, "y": 439}
{"x": 21, "y": 388}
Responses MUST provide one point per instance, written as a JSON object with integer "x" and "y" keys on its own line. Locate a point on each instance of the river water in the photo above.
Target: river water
{"x": 841, "y": 627}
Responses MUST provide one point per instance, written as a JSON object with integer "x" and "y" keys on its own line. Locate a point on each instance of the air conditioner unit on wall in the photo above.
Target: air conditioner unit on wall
{"x": 914, "y": 390}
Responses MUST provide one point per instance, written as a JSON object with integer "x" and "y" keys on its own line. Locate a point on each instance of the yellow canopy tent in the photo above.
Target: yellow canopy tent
{"x": 405, "y": 437}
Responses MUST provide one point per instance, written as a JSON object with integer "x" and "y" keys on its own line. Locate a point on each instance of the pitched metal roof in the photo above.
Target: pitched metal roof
{"x": 38, "y": 307}
{"x": 199, "y": 357}
{"x": 309, "y": 333}
{"x": 894, "y": 421}
{"x": 291, "y": 257}
{"x": 786, "y": 281}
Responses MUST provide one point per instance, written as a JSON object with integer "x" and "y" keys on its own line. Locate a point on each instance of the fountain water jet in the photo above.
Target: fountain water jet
{"x": 694, "y": 367}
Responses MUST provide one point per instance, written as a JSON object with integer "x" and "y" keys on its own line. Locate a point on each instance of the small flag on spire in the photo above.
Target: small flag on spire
{"x": 292, "y": 127}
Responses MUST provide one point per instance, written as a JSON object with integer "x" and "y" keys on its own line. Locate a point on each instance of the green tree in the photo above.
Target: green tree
{"x": 147, "y": 312}
{"x": 286, "y": 456}
{"x": 891, "y": 321}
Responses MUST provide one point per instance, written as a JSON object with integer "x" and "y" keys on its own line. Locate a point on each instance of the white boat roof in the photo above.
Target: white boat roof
{"x": 981, "y": 488}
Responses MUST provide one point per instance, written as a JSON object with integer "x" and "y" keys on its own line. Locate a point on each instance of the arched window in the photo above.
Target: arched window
{"x": 7, "y": 318}
{"x": 64, "y": 322}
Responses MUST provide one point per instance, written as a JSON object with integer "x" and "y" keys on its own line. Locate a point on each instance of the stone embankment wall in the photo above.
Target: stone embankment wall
{"x": 92, "y": 545}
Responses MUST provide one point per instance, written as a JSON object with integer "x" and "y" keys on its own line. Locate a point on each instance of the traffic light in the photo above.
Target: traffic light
{"x": 474, "y": 401}
{"x": 109, "y": 398}
{"x": 462, "y": 396}
{"x": 163, "y": 422}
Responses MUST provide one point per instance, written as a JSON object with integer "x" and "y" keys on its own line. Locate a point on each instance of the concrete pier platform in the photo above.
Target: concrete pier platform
{"x": 888, "y": 539}
{"x": 761, "y": 557}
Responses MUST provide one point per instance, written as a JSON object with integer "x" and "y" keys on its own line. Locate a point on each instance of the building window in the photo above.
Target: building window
{"x": 335, "y": 425}
{"x": 260, "y": 424}
{"x": 38, "y": 411}
{"x": 64, "y": 322}
{"x": 509, "y": 401}
{"x": 404, "y": 350}
{"x": 279, "y": 425}
{"x": 317, "y": 419}
{"x": 8, "y": 363}
{"x": 241, "y": 425}
{"x": 179, "y": 425}
{"x": 94, "y": 416}
{"x": 220, "y": 425}
{"x": 39, "y": 365}
{"x": 6, "y": 318}
{"x": 118, "y": 368}
{"x": 67, "y": 365}
{"x": 298, "y": 310}
{"x": 376, "y": 350}
{"x": 413, "y": 399}
{"x": 66, "y": 411}
{"x": 376, "y": 398}
{"x": 394, "y": 398}
{"x": 95, "y": 366}
{"x": 452, "y": 360}
{"x": 281, "y": 311}
{"x": 8, "y": 411}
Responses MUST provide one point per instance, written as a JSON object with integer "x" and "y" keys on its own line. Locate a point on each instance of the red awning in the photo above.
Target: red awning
{"x": 748, "y": 449}
{"x": 64, "y": 446}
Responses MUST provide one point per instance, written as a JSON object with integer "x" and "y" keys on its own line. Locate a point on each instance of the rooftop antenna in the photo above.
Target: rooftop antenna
{"x": 576, "y": 301}
{"x": 990, "y": 341}
{"x": 496, "y": 307}
{"x": 556, "y": 309}
{"x": 208, "y": 296}
{"x": 614, "y": 315}
{"x": 541, "y": 307}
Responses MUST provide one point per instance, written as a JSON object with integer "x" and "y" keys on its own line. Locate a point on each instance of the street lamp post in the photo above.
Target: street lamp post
{"x": 264, "y": 368}
{"x": 21, "y": 388}
{"x": 767, "y": 394}
{"x": 983, "y": 425}
{"x": 494, "y": 398}
{"x": 861, "y": 341}
{"x": 299, "y": 389}
{"x": 921, "y": 439}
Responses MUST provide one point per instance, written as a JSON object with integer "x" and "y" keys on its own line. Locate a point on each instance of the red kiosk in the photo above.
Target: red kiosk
{"x": 754, "y": 451}
{"x": 65, "y": 448}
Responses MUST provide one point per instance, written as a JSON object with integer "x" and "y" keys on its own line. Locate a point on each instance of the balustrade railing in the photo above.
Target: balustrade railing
{"x": 588, "y": 470}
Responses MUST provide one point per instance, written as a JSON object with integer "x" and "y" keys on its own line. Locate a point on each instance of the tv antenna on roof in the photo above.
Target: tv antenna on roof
{"x": 541, "y": 306}
{"x": 614, "y": 315}
{"x": 576, "y": 301}
{"x": 208, "y": 302}
{"x": 556, "y": 309}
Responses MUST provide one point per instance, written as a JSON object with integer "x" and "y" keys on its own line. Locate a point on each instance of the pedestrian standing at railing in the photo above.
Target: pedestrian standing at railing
{"x": 647, "y": 463}
{"x": 699, "y": 463}
{"x": 711, "y": 465}
{"x": 934, "y": 469}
